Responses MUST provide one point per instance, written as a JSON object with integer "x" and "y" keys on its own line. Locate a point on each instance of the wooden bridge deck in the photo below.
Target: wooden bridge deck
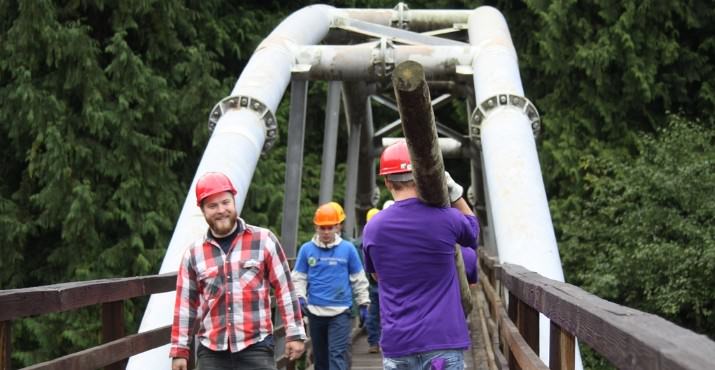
{"x": 363, "y": 360}
{"x": 475, "y": 359}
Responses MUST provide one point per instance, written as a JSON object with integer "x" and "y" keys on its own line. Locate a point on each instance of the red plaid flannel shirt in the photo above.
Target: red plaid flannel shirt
{"x": 230, "y": 294}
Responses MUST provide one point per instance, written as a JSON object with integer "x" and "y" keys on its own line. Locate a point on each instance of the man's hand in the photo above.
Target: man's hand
{"x": 179, "y": 363}
{"x": 455, "y": 190}
{"x": 294, "y": 349}
{"x": 363, "y": 315}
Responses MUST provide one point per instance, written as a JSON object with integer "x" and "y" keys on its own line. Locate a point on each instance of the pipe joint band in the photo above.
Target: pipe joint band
{"x": 400, "y": 16}
{"x": 489, "y": 105}
{"x": 247, "y": 102}
{"x": 383, "y": 58}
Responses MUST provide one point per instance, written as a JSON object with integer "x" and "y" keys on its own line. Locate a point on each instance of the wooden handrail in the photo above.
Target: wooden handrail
{"x": 626, "y": 337}
{"x": 108, "y": 353}
{"x": 19, "y": 303}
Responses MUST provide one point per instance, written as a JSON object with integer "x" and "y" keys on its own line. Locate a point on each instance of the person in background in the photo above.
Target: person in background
{"x": 372, "y": 323}
{"x": 410, "y": 249}
{"x": 223, "y": 289}
{"x": 327, "y": 274}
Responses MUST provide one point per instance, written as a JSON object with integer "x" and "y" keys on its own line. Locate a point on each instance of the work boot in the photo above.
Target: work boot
{"x": 374, "y": 349}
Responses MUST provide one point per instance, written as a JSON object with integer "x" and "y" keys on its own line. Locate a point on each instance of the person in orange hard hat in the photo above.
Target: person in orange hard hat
{"x": 223, "y": 288}
{"x": 327, "y": 274}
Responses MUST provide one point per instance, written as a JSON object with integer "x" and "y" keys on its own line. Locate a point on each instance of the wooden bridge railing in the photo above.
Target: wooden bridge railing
{"x": 111, "y": 294}
{"x": 627, "y": 338}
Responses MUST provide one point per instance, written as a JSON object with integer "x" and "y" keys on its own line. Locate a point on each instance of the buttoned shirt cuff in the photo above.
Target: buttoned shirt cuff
{"x": 179, "y": 352}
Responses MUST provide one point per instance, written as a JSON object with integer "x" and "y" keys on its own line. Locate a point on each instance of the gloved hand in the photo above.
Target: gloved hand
{"x": 303, "y": 306}
{"x": 455, "y": 190}
{"x": 363, "y": 315}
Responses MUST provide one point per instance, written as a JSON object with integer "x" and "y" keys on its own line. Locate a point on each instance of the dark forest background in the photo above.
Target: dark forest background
{"x": 103, "y": 114}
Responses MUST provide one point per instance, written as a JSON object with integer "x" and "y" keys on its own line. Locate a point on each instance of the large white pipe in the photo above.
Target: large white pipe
{"x": 521, "y": 220}
{"x": 357, "y": 62}
{"x": 233, "y": 149}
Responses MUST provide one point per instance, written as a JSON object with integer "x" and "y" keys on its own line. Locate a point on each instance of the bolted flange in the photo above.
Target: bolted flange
{"x": 246, "y": 102}
{"x": 383, "y": 58}
{"x": 486, "y": 107}
{"x": 400, "y": 16}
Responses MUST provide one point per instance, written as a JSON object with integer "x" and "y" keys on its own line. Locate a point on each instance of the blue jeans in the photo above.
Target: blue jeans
{"x": 256, "y": 357}
{"x": 435, "y": 360}
{"x": 331, "y": 340}
{"x": 373, "y": 318}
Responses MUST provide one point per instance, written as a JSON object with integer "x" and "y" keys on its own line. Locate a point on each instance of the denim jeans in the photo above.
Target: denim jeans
{"x": 373, "y": 318}
{"x": 331, "y": 341}
{"x": 256, "y": 357}
{"x": 434, "y": 360}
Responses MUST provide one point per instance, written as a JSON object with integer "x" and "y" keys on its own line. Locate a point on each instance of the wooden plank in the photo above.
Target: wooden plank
{"x": 18, "y": 303}
{"x": 523, "y": 355}
{"x": 113, "y": 328}
{"x": 491, "y": 295}
{"x": 562, "y": 348}
{"x": 528, "y": 324}
{"x": 103, "y": 355}
{"x": 512, "y": 313}
{"x": 628, "y": 338}
{"x": 482, "y": 318}
{"x": 5, "y": 345}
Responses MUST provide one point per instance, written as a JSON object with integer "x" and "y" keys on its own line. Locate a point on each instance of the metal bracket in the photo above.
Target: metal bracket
{"x": 247, "y": 102}
{"x": 486, "y": 107}
{"x": 401, "y": 16}
{"x": 383, "y": 58}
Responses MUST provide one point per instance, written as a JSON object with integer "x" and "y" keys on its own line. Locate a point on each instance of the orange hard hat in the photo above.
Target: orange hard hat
{"x": 212, "y": 183}
{"x": 395, "y": 159}
{"x": 339, "y": 208}
{"x": 326, "y": 215}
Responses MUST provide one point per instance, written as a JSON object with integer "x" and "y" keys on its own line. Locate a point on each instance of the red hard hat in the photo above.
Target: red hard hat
{"x": 395, "y": 159}
{"x": 212, "y": 183}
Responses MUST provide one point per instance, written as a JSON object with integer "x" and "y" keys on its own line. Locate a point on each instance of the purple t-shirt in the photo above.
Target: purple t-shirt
{"x": 411, "y": 247}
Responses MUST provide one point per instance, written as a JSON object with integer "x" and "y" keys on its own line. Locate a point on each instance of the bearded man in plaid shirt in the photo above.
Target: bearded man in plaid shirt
{"x": 223, "y": 289}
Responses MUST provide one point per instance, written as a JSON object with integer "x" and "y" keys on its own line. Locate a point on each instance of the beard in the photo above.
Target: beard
{"x": 221, "y": 226}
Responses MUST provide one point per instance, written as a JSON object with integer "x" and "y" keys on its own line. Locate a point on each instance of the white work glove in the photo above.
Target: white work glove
{"x": 455, "y": 190}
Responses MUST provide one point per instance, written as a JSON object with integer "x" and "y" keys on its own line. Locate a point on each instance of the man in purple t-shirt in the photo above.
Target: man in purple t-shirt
{"x": 409, "y": 248}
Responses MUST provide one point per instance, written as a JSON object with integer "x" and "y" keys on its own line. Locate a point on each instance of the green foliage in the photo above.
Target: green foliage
{"x": 93, "y": 138}
{"x": 643, "y": 235}
{"x": 601, "y": 71}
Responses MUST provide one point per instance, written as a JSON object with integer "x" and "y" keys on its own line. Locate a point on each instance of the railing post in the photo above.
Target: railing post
{"x": 561, "y": 349}
{"x": 5, "y": 345}
{"x": 113, "y": 327}
{"x": 528, "y": 324}
{"x": 513, "y": 312}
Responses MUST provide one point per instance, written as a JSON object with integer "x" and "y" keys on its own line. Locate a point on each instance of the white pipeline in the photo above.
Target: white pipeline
{"x": 233, "y": 149}
{"x": 521, "y": 224}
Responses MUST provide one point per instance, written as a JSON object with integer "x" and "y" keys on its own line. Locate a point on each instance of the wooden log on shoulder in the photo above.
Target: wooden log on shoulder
{"x": 414, "y": 103}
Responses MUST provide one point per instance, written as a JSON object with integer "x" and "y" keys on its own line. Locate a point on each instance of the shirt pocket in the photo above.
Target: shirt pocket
{"x": 251, "y": 274}
{"x": 210, "y": 282}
